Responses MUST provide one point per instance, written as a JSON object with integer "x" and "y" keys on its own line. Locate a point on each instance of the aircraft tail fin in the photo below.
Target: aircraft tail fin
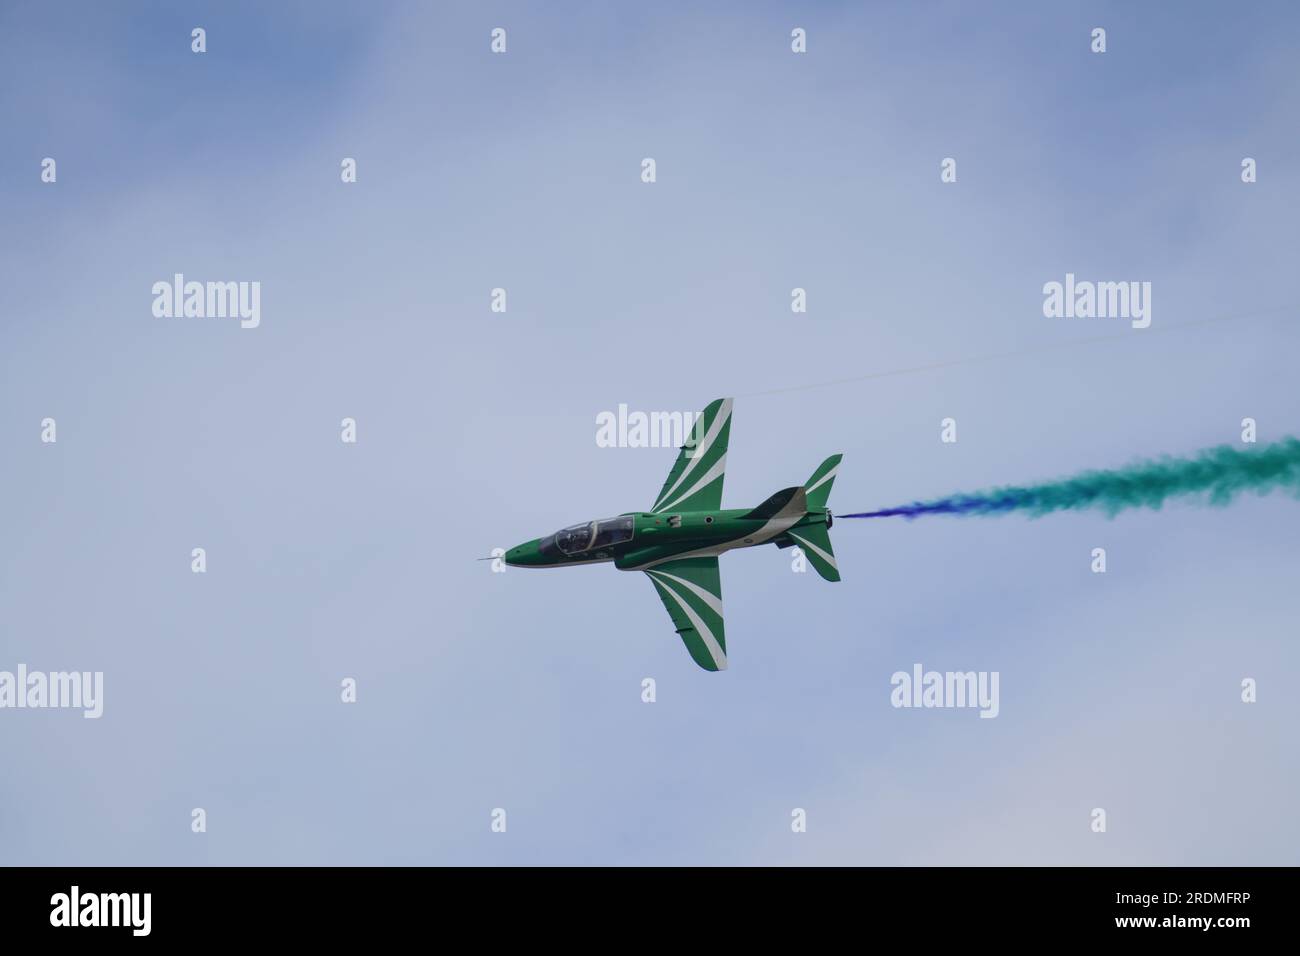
{"x": 785, "y": 501}
{"x": 818, "y": 487}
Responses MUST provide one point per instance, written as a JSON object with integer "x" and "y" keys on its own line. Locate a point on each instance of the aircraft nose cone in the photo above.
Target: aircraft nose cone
{"x": 524, "y": 554}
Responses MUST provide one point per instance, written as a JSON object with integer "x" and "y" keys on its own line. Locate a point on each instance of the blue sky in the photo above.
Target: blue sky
{"x": 476, "y": 430}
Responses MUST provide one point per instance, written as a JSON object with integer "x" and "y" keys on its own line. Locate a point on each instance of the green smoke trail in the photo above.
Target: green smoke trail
{"x": 1216, "y": 475}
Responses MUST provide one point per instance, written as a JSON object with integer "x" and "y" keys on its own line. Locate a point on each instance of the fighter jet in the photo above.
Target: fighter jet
{"x": 677, "y": 542}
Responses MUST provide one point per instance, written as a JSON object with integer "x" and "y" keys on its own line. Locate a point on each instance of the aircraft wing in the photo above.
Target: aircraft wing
{"x": 691, "y": 589}
{"x": 695, "y": 483}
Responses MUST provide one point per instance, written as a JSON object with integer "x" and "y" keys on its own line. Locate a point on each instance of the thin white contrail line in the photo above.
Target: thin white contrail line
{"x": 1017, "y": 353}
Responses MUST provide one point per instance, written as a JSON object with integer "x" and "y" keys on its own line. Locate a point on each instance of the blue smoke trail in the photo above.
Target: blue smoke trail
{"x": 1217, "y": 474}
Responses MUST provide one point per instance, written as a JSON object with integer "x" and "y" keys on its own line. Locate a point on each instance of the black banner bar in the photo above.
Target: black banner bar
{"x": 374, "y": 904}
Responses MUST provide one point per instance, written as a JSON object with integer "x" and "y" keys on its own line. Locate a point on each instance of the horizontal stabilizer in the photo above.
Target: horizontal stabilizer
{"x": 815, "y": 542}
{"x": 819, "y": 485}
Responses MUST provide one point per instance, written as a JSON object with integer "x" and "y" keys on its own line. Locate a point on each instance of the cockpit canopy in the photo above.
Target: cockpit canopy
{"x": 594, "y": 534}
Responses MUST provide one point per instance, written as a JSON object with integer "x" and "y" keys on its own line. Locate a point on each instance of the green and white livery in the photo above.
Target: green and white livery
{"x": 678, "y": 541}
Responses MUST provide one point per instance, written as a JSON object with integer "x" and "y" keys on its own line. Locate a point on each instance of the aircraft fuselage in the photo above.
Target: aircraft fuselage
{"x": 656, "y": 538}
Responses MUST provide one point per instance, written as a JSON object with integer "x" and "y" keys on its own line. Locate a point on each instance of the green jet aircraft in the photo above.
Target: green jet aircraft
{"x": 677, "y": 542}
